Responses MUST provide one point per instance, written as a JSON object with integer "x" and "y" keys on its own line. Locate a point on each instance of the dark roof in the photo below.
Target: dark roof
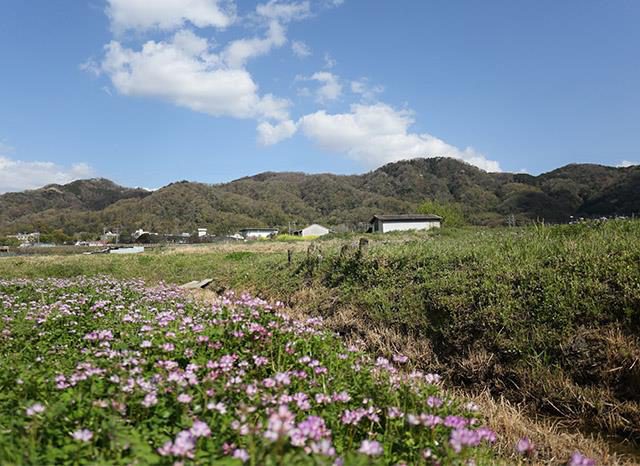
{"x": 405, "y": 217}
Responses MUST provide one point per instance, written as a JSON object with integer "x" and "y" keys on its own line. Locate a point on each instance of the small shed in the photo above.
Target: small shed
{"x": 131, "y": 250}
{"x": 255, "y": 233}
{"x": 312, "y": 230}
{"x": 404, "y": 222}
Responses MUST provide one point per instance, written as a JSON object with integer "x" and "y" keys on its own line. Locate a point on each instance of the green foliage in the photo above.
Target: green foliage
{"x": 4, "y": 241}
{"x": 451, "y": 212}
{"x": 276, "y": 199}
{"x": 565, "y": 298}
{"x": 55, "y": 237}
{"x": 100, "y": 371}
{"x": 286, "y": 237}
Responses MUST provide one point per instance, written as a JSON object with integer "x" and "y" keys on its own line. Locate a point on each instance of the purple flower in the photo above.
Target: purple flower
{"x": 400, "y": 358}
{"x": 150, "y": 399}
{"x": 370, "y": 448}
{"x": 241, "y": 454}
{"x": 323, "y": 447}
{"x": 184, "y": 444}
{"x": 35, "y": 408}
{"x": 578, "y": 459}
{"x": 280, "y": 424}
{"x": 525, "y": 446}
{"x": 200, "y": 429}
{"x": 168, "y": 346}
{"x": 184, "y": 398}
{"x": 165, "y": 450}
{"x": 434, "y": 402}
{"x": 82, "y": 435}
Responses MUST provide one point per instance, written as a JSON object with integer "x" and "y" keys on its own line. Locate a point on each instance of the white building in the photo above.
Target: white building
{"x": 202, "y": 232}
{"x": 387, "y": 223}
{"x": 312, "y": 230}
{"x": 131, "y": 250}
{"x": 255, "y": 233}
{"x": 110, "y": 237}
{"x": 26, "y": 238}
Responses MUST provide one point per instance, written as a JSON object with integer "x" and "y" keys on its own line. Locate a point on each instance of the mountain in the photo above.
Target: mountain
{"x": 276, "y": 199}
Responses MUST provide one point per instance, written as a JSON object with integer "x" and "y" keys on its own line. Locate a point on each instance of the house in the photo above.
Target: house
{"x": 404, "y": 222}
{"x": 110, "y": 237}
{"x": 202, "y": 232}
{"x": 26, "y": 238}
{"x": 255, "y": 233}
{"x": 145, "y": 237}
{"x": 312, "y": 230}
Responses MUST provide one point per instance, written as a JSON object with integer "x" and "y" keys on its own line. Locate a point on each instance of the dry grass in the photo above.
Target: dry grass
{"x": 555, "y": 442}
{"x": 238, "y": 246}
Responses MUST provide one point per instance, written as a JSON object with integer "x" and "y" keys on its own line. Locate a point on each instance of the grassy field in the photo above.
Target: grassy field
{"x": 546, "y": 316}
{"x": 104, "y": 371}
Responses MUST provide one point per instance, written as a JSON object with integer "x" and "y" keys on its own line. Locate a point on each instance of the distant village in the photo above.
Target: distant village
{"x": 112, "y": 236}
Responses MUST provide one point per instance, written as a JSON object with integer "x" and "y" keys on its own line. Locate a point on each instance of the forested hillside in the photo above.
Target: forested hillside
{"x": 276, "y": 199}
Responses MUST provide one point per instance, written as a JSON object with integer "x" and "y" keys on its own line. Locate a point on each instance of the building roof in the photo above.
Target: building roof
{"x": 405, "y": 218}
{"x": 312, "y": 225}
{"x": 258, "y": 229}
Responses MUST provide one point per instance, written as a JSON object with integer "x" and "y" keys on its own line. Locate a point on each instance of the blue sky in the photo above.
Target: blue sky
{"x": 146, "y": 92}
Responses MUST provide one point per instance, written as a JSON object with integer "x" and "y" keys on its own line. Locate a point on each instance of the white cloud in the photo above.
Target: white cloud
{"x": 365, "y": 90}
{"x": 169, "y": 14}
{"x": 300, "y": 49}
{"x": 184, "y": 72}
{"x": 18, "y": 175}
{"x": 330, "y": 88}
{"x": 329, "y": 61}
{"x": 627, "y": 163}
{"x": 269, "y": 134}
{"x": 238, "y": 52}
{"x": 284, "y": 11}
{"x": 276, "y": 14}
{"x": 377, "y": 134}
{"x": 183, "y": 69}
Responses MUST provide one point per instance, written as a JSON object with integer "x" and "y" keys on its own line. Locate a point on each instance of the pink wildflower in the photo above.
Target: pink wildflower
{"x": 35, "y": 408}
{"x": 370, "y": 448}
{"x": 184, "y": 398}
{"x": 400, "y": 358}
{"x": 241, "y": 454}
{"x": 434, "y": 402}
{"x": 150, "y": 399}
{"x": 525, "y": 446}
{"x": 200, "y": 429}
{"x": 578, "y": 459}
{"x": 82, "y": 435}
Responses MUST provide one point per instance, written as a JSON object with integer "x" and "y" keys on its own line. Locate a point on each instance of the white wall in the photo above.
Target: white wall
{"x": 315, "y": 230}
{"x": 258, "y": 234}
{"x": 403, "y": 226}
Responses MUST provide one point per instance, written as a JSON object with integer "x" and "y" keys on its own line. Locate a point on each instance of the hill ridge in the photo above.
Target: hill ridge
{"x": 278, "y": 198}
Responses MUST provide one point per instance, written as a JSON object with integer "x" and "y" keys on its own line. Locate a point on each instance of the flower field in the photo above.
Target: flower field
{"x": 97, "y": 370}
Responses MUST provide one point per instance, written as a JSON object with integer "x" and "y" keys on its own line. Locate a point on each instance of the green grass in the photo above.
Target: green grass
{"x": 109, "y": 372}
{"x": 546, "y": 315}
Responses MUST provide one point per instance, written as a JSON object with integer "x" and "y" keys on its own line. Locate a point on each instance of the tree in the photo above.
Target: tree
{"x": 452, "y": 212}
{"x": 4, "y": 241}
